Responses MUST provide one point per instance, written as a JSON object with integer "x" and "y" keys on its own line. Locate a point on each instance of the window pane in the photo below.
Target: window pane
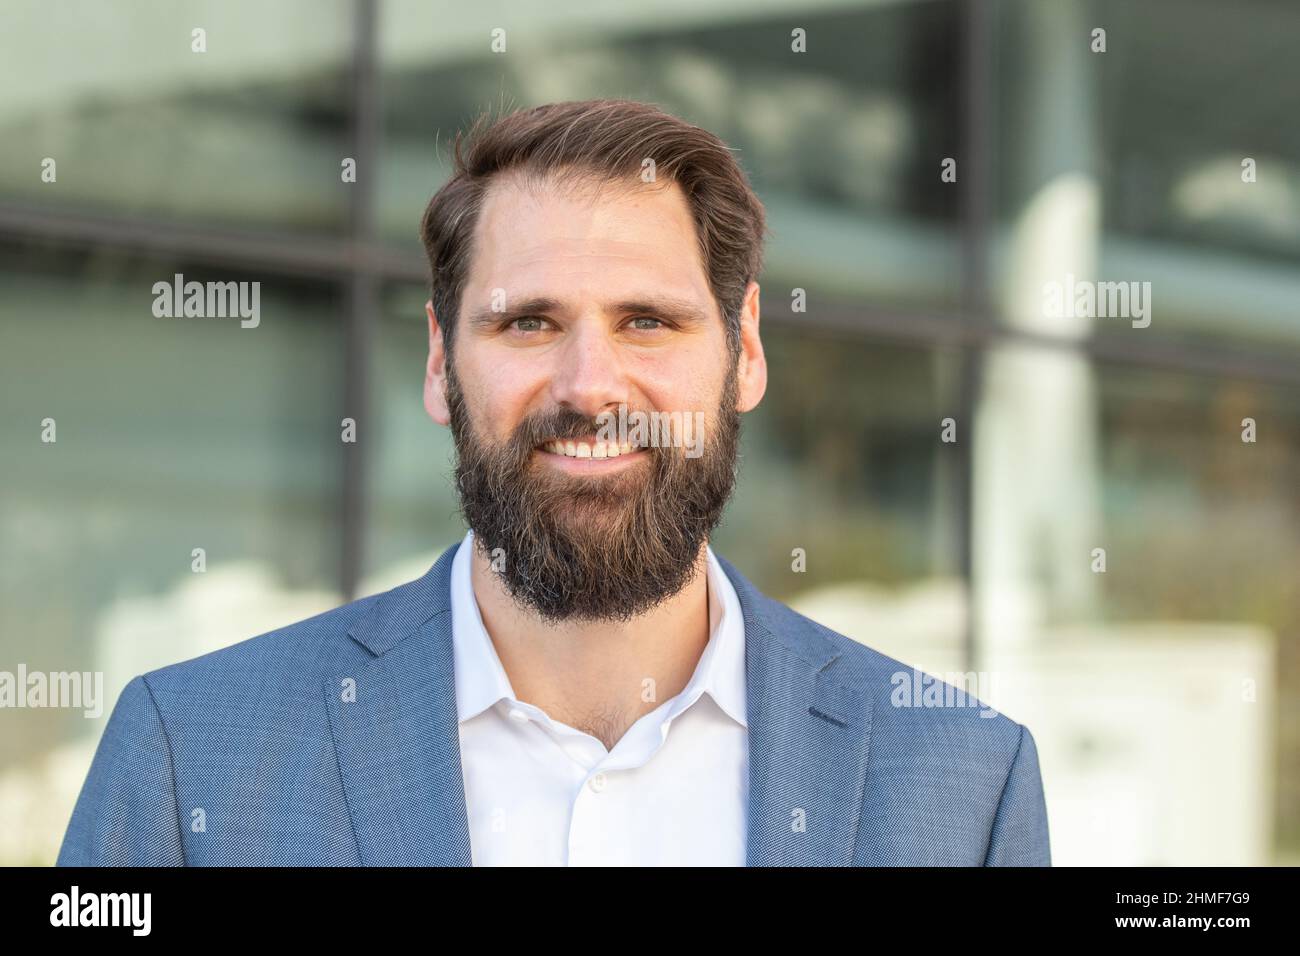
{"x": 1169, "y": 163}
{"x": 844, "y": 460}
{"x": 1136, "y": 596}
{"x": 413, "y": 512}
{"x": 251, "y": 132}
{"x": 168, "y": 435}
{"x": 843, "y": 143}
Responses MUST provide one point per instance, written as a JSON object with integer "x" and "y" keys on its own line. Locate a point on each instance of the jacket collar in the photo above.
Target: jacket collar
{"x": 398, "y": 744}
{"x": 481, "y": 680}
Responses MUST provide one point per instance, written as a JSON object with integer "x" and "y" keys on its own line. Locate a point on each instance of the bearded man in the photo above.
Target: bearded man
{"x": 581, "y": 680}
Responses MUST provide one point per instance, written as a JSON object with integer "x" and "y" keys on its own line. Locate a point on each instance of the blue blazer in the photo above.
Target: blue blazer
{"x": 251, "y": 756}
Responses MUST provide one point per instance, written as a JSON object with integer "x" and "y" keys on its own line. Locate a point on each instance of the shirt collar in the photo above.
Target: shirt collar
{"x": 481, "y": 680}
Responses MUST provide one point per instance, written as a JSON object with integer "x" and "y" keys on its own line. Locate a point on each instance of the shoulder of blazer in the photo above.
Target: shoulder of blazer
{"x": 852, "y": 663}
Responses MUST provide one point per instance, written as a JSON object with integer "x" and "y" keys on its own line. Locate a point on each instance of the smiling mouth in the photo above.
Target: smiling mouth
{"x": 571, "y": 448}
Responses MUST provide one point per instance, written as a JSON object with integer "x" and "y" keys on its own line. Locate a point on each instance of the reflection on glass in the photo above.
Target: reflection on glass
{"x": 188, "y": 500}
{"x": 250, "y": 131}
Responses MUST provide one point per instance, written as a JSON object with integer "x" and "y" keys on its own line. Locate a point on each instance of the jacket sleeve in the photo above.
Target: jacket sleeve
{"x": 126, "y": 814}
{"x": 1019, "y": 835}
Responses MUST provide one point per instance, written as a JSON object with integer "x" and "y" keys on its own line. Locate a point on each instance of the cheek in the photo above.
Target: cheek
{"x": 681, "y": 382}
{"x": 503, "y": 391}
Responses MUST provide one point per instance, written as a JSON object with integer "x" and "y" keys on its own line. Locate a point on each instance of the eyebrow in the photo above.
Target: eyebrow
{"x": 683, "y": 311}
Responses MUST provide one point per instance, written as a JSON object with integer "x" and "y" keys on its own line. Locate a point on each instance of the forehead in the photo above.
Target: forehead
{"x": 568, "y": 239}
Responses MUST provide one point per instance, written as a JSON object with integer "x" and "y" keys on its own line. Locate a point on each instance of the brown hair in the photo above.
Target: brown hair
{"x": 597, "y": 140}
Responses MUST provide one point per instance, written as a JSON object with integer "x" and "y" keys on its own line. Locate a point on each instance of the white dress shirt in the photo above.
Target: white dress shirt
{"x": 541, "y": 793}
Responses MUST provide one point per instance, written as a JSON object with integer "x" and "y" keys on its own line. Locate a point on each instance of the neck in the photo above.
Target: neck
{"x": 598, "y": 677}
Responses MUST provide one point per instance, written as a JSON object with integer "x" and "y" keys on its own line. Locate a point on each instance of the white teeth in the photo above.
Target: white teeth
{"x": 582, "y": 449}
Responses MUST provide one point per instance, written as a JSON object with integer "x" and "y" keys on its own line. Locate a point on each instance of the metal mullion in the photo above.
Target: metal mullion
{"x": 363, "y": 300}
{"x": 977, "y": 321}
{"x": 282, "y": 252}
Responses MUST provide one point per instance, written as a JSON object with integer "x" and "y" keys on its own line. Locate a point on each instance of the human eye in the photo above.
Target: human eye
{"x": 529, "y": 323}
{"x": 656, "y": 324}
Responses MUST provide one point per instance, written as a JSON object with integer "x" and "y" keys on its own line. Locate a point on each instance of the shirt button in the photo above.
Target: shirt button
{"x": 519, "y": 715}
{"x": 597, "y": 782}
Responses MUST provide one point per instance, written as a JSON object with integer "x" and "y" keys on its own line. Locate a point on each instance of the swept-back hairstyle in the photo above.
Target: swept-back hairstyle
{"x": 605, "y": 140}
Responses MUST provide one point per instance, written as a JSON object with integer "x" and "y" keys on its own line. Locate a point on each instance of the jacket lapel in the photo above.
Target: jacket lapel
{"x": 398, "y": 742}
{"x": 809, "y": 733}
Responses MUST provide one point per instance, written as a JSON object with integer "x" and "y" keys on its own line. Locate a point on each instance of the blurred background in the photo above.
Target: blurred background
{"x": 1162, "y": 691}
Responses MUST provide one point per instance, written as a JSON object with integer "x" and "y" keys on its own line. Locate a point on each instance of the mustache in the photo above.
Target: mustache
{"x": 558, "y": 423}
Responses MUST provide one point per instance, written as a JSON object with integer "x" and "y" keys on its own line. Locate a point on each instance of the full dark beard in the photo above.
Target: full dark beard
{"x": 592, "y": 548}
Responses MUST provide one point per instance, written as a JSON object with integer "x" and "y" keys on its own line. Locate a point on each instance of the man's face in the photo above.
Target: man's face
{"x": 575, "y": 305}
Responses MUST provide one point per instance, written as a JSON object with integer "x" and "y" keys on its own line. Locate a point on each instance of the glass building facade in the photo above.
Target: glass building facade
{"x": 1098, "y": 539}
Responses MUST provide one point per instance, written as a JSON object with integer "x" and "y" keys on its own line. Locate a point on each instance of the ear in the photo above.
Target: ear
{"x": 435, "y": 373}
{"x": 751, "y": 373}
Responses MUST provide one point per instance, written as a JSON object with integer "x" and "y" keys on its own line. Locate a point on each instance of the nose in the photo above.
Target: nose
{"x": 590, "y": 377}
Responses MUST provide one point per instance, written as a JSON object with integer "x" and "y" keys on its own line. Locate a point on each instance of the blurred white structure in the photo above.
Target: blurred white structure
{"x": 204, "y": 613}
{"x": 1155, "y": 740}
